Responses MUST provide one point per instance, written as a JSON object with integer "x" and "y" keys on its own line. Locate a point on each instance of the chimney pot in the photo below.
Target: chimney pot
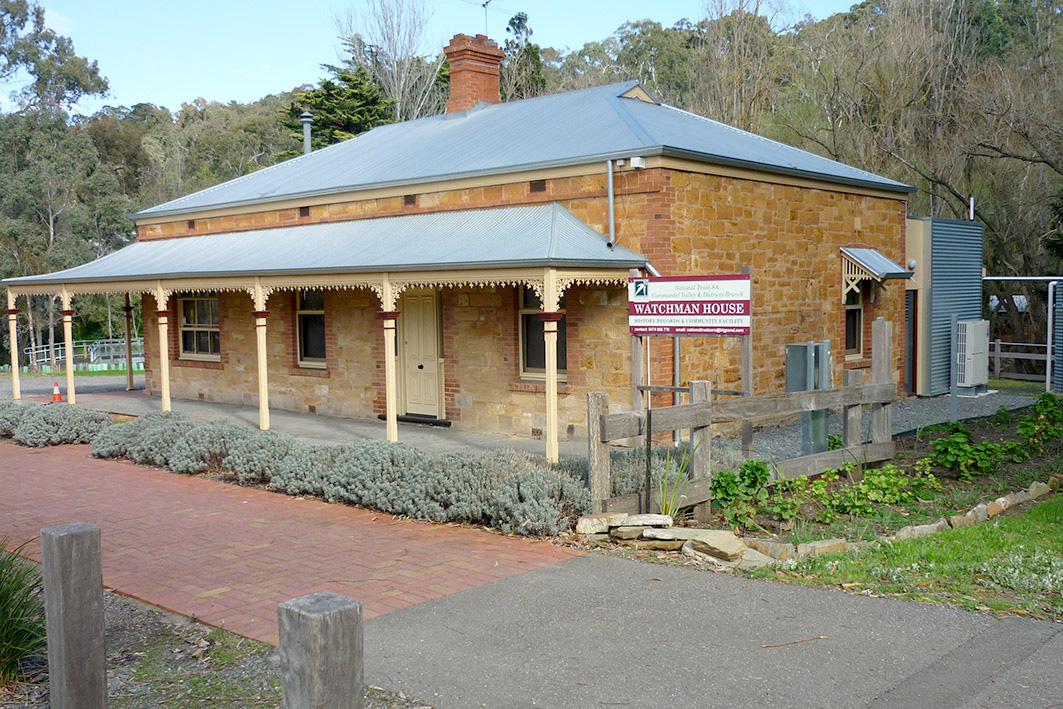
{"x": 474, "y": 63}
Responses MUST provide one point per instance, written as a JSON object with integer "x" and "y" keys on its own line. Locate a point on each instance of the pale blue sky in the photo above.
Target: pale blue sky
{"x": 168, "y": 53}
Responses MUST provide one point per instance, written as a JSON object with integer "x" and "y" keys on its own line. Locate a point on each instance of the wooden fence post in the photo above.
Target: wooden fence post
{"x": 853, "y": 431}
{"x": 996, "y": 361}
{"x": 73, "y": 608}
{"x": 881, "y": 373}
{"x": 321, "y": 646}
{"x": 701, "y": 444}
{"x": 598, "y": 474}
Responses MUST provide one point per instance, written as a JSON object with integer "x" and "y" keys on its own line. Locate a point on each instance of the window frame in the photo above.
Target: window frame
{"x": 210, "y": 327}
{"x": 858, "y": 307}
{"x": 300, "y": 311}
{"x": 526, "y": 311}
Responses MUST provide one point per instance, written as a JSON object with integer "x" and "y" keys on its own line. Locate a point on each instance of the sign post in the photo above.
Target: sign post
{"x": 694, "y": 305}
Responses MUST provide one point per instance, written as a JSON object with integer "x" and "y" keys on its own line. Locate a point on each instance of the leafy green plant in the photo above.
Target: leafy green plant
{"x": 1044, "y": 423}
{"x": 835, "y": 442}
{"x": 1017, "y": 452}
{"x": 1002, "y": 417}
{"x": 22, "y": 631}
{"x": 966, "y": 459}
{"x": 740, "y": 495}
{"x": 785, "y": 502}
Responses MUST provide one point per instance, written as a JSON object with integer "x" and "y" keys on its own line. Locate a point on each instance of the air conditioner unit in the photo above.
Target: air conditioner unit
{"x": 972, "y": 353}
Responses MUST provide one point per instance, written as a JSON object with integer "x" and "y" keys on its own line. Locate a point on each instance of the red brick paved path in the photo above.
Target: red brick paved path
{"x": 228, "y": 555}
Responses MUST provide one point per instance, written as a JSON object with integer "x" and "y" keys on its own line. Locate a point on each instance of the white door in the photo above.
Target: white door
{"x": 420, "y": 334}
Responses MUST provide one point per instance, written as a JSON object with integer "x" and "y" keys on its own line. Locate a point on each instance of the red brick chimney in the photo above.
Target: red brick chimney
{"x": 474, "y": 65}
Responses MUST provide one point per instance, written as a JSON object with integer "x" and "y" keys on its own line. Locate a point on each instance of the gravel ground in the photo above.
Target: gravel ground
{"x": 157, "y": 659}
{"x": 785, "y": 442}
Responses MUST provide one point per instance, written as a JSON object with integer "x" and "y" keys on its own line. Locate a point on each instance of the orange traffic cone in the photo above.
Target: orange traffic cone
{"x": 56, "y": 396}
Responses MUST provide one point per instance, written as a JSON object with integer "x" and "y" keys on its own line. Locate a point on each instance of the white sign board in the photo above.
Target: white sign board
{"x": 690, "y": 305}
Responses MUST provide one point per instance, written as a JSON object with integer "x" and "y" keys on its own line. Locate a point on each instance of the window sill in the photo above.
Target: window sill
{"x": 856, "y": 362}
{"x": 536, "y": 386}
{"x": 320, "y": 372}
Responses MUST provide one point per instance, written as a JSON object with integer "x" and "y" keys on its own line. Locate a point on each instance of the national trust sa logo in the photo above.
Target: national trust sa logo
{"x": 642, "y": 288}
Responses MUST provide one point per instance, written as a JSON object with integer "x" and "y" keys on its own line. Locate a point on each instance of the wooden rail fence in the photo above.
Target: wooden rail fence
{"x": 702, "y": 412}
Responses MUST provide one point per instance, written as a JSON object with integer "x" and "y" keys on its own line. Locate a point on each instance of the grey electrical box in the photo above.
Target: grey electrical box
{"x": 808, "y": 368}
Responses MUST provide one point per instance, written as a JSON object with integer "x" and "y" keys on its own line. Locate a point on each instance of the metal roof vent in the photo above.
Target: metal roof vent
{"x": 307, "y": 119}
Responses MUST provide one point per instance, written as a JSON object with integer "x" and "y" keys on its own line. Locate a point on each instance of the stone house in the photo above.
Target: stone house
{"x": 471, "y": 268}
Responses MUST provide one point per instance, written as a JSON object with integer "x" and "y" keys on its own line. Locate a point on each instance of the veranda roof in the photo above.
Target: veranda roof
{"x": 512, "y": 237}
{"x": 876, "y": 264}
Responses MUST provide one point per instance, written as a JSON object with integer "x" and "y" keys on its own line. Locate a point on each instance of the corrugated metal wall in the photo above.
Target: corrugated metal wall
{"x": 955, "y": 289}
{"x": 1057, "y": 333}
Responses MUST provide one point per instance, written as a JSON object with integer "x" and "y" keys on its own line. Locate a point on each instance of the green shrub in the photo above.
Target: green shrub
{"x": 539, "y": 501}
{"x": 11, "y": 413}
{"x": 1002, "y": 417}
{"x": 22, "y": 631}
{"x": 205, "y": 446}
{"x": 257, "y": 458}
{"x": 146, "y": 440}
{"x": 1044, "y": 423}
{"x": 56, "y": 424}
{"x": 304, "y": 470}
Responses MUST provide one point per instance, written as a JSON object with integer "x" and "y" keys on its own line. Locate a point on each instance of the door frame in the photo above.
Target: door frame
{"x": 400, "y": 353}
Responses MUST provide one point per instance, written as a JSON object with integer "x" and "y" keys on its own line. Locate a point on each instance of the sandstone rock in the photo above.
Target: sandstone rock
{"x": 643, "y": 521}
{"x": 627, "y": 532}
{"x": 979, "y": 513}
{"x": 597, "y": 524}
{"x": 652, "y": 544}
{"x": 673, "y": 533}
{"x": 689, "y": 550}
{"x": 994, "y": 508}
{"x": 773, "y": 548}
{"x": 1022, "y": 496}
{"x": 941, "y": 525}
{"x": 1055, "y": 481}
{"x": 1038, "y": 489}
{"x": 718, "y": 543}
{"x": 823, "y": 546}
{"x": 1005, "y": 502}
{"x": 752, "y": 559}
{"x": 957, "y": 521}
{"x": 600, "y": 537}
{"x": 858, "y": 545}
{"x": 903, "y": 533}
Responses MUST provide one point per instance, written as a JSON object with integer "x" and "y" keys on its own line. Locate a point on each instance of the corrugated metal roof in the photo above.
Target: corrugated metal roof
{"x": 875, "y": 262}
{"x": 563, "y": 129}
{"x": 512, "y": 237}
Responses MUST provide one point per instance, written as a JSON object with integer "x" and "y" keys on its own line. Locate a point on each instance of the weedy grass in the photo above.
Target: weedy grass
{"x": 22, "y": 632}
{"x": 1012, "y": 564}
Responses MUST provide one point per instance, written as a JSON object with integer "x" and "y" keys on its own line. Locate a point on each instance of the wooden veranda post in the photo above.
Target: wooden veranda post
{"x": 881, "y": 373}
{"x": 260, "y": 314}
{"x": 68, "y": 344}
{"x": 747, "y": 379}
{"x": 389, "y": 315}
{"x": 550, "y": 317}
{"x": 162, "y": 299}
{"x": 128, "y": 310}
{"x": 599, "y": 478}
{"x": 701, "y": 445}
{"x": 12, "y": 331}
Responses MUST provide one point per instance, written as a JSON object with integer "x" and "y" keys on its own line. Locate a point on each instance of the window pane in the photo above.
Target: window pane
{"x": 312, "y": 336}
{"x": 853, "y": 328}
{"x": 312, "y": 300}
{"x": 215, "y": 343}
{"x": 202, "y": 342}
{"x": 213, "y": 311}
{"x": 531, "y": 300}
{"x": 188, "y": 311}
{"x": 534, "y": 346}
{"x": 188, "y": 341}
{"x": 203, "y": 312}
{"x": 852, "y": 298}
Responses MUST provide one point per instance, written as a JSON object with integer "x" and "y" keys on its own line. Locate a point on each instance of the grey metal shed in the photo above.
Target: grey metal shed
{"x": 948, "y": 281}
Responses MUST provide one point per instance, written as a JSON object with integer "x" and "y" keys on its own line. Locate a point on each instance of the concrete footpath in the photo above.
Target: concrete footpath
{"x": 599, "y": 631}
